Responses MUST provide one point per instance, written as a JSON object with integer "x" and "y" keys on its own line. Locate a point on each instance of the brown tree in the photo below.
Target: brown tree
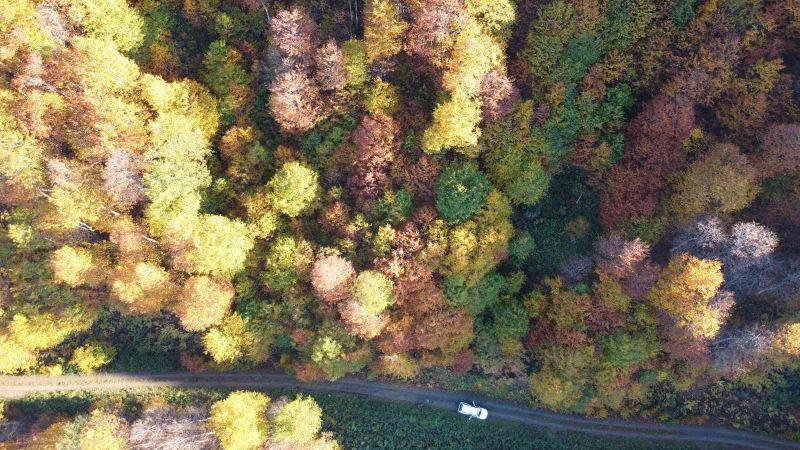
{"x": 295, "y": 35}
{"x": 163, "y": 426}
{"x": 375, "y": 144}
{"x": 295, "y": 101}
{"x": 331, "y": 74}
{"x": 431, "y": 33}
{"x": 203, "y": 302}
{"x": 374, "y": 139}
{"x": 498, "y": 95}
{"x": 416, "y": 291}
{"x": 780, "y": 150}
{"x": 654, "y": 150}
{"x": 627, "y": 261}
{"x": 122, "y": 178}
{"x": 331, "y": 278}
{"x": 360, "y": 322}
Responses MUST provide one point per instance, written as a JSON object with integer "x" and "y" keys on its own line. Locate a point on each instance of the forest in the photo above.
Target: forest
{"x": 591, "y": 205}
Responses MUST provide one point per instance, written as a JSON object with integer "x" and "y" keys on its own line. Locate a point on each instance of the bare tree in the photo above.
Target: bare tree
{"x": 167, "y": 428}
{"x": 705, "y": 238}
{"x": 751, "y": 243}
{"x": 740, "y": 350}
{"x": 748, "y": 252}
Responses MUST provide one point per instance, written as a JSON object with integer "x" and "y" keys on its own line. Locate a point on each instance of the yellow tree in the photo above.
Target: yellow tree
{"x": 20, "y": 164}
{"x": 101, "y": 69}
{"x": 685, "y": 288}
{"x": 383, "y": 29}
{"x": 73, "y": 207}
{"x": 219, "y": 246}
{"x": 473, "y": 55}
{"x": 298, "y": 422}
{"x": 455, "y": 124}
{"x": 28, "y": 333}
{"x": 494, "y": 16}
{"x": 74, "y": 266}
{"x": 785, "y": 345}
{"x": 176, "y": 171}
{"x": 104, "y": 431}
{"x": 92, "y": 356}
{"x": 142, "y": 287}
{"x": 114, "y": 20}
{"x": 293, "y": 189}
{"x": 186, "y": 97}
{"x": 237, "y": 340}
{"x": 476, "y": 246}
{"x": 240, "y": 421}
{"x": 20, "y": 28}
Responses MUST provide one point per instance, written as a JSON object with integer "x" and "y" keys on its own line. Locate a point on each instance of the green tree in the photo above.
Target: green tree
{"x": 549, "y": 34}
{"x": 288, "y": 261}
{"x": 627, "y": 21}
{"x": 510, "y": 323}
{"x": 514, "y": 157}
{"x": 476, "y": 298}
{"x": 355, "y": 59}
{"x": 461, "y": 191}
{"x": 224, "y": 73}
{"x": 622, "y": 349}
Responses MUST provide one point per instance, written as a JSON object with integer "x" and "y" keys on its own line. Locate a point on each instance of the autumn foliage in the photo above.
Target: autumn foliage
{"x": 598, "y": 199}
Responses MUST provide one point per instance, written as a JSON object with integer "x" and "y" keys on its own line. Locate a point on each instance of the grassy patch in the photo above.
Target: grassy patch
{"x": 358, "y": 422}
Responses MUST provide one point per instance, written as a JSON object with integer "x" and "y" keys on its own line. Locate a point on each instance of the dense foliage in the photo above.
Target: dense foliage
{"x": 596, "y": 197}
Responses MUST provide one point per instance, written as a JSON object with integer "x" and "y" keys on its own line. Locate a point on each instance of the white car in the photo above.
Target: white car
{"x": 472, "y": 411}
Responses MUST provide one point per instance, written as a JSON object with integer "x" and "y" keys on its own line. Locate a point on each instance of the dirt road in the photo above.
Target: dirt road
{"x": 19, "y": 386}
